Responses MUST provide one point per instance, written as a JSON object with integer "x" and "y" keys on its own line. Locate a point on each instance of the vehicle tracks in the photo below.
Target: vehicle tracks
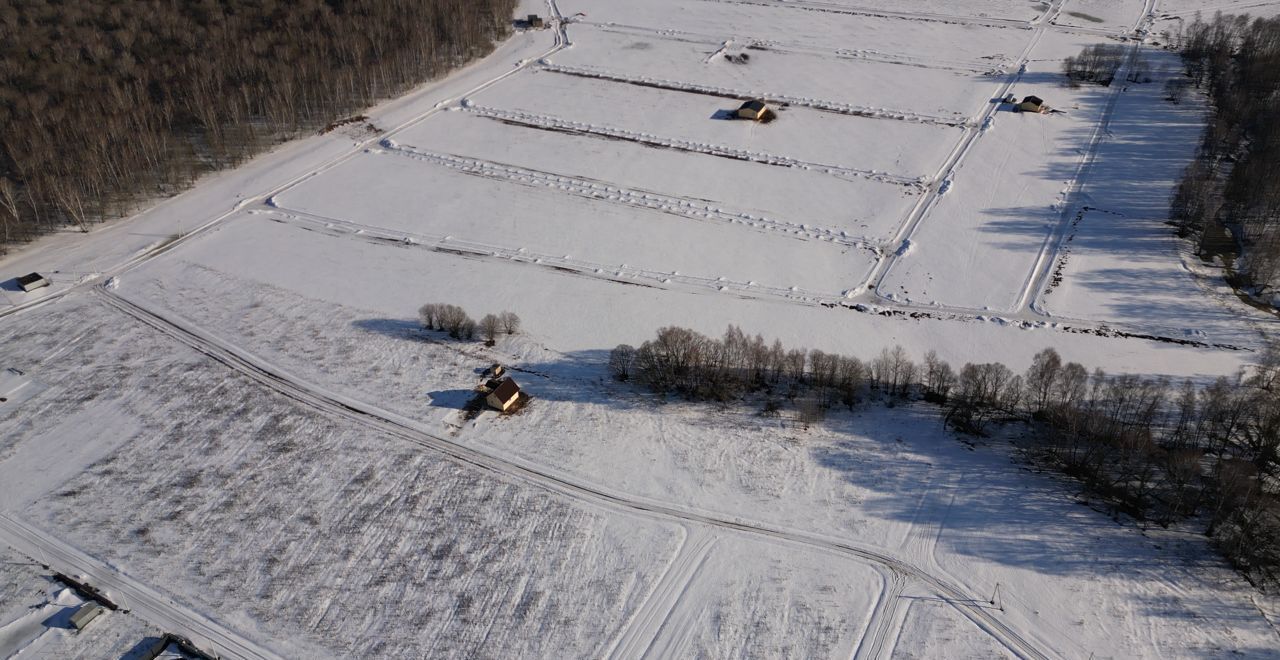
{"x": 392, "y": 425}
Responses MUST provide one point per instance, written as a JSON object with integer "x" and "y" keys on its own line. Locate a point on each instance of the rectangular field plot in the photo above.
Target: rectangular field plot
{"x": 326, "y": 537}
{"x": 1021, "y": 10}
{"x": 980, "y": 244}
{"x": 1119, "y": 15}
{"x": 823, "y": 141}
{"x": 745, "y": 598}
{"x": 866, "y": 85}
{"x": 581, "y": 314}
{"x": 817, "y": 27}
{"x": 784, "y": 198}
{"x": 1121, "y": 261}
{"x": 427, "y": 203}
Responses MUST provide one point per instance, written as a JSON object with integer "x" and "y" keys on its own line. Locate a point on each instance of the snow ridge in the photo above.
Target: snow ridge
{"x": 548, "y": 122}
{"x": 630, "y": 197}
{"x": 728, "y": 92}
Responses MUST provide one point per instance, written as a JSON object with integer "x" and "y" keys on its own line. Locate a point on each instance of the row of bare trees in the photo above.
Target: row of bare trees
{"x": 1097, "y": 64}
{"x": 1228, "y": 200}
{"x": 455, "y": 321}
{"x": 1154, "y": 449}
{"x": 104, "y": 105}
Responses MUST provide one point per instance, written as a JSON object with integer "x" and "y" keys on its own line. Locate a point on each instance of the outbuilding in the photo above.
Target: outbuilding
{"x": 755, "y": 110}
{"x": 504, "y": 396}
{"x": 32, "y": 281}
{"x": 535, "y": 22}
{"x": 87, "y": 612}
{"x": 1033, "y": 104}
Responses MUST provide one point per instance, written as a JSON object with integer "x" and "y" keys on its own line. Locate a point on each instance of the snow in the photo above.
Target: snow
{"x": 232, "y": 407}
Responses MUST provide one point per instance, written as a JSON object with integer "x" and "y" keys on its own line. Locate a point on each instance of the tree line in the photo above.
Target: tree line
{"x": 455, "y": 321}
{"x": 1155, "y": 449}
{"x": 105, "y": 105}
{"x": 1228, "y": 199}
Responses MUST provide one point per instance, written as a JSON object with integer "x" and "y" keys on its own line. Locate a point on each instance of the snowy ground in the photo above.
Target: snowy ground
{"x": 246, "y": 418}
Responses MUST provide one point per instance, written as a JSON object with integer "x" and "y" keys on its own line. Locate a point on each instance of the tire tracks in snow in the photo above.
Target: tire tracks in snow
{"x": 642, "y": 631}
{"x": 390, "y": 424}
{"x": 884, "y": 619}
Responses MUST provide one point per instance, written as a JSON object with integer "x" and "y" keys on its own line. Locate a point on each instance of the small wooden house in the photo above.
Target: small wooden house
{"x": 32, "y": 281}
{"x": 86, "y": 613}
{"x": 535, "y": 22}
{"x": 504, "y": 396}
{"x": 1033, "y": 104}
{"x": 755, "y": 110}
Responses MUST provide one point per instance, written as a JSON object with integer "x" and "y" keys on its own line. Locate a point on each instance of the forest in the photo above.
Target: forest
{"x": 1228, "y": 200}
{"x": 1158, "y": 451}
{"x": 107, "y": 105}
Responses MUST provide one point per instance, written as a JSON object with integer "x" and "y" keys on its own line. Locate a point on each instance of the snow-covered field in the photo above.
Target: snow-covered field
{"x": 232, "y": 405}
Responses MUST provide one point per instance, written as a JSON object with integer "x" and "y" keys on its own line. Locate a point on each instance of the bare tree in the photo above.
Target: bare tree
{"x": 510, "y": 322}
{"x": 621, "y": 361}
{"x": 489, "y": 326}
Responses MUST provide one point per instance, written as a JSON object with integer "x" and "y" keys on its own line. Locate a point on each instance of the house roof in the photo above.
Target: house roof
{"x": 29, "y": 278}
{"x": 506, "y": 389}
{"x": 753, "y": 104}
{"x": 1034, "y": 99}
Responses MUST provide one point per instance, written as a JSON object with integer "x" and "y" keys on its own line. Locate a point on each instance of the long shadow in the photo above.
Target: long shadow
{"x": 61, "y": 619}
{"x": 142, "y": 649}
{"x": 1001, "y": 513}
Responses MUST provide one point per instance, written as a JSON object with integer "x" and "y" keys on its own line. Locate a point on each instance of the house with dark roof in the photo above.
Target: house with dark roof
{"x": 32, "y": 281}
{"x": 1033, "y": 104}
{"x": 504, "y": 395}
{"x": 755, "y": 109}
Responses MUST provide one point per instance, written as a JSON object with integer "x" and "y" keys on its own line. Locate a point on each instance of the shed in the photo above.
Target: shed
{"x": 504, "y": 395}
{"x": 32, "y": 281}
{"x": 1033, "y": 104}
{"x": 87, "y": 612}
{"x": 755, "y": 109}
{"x": 535, "y": 21}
